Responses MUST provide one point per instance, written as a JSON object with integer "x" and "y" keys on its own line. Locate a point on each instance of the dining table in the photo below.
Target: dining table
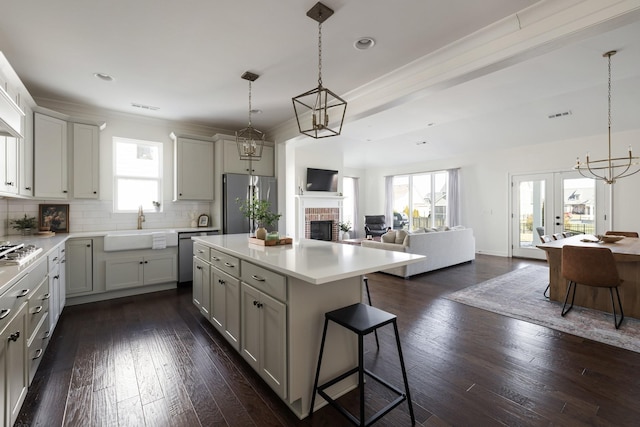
{"x": 626, "y": 253}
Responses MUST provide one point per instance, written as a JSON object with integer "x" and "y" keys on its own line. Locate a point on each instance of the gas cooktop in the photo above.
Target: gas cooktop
{"x": 17, "y": 254}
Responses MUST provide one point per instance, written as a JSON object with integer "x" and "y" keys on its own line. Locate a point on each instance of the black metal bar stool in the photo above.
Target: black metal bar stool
{"x": 365, "y": 279}
{"x": 362, "y": 320}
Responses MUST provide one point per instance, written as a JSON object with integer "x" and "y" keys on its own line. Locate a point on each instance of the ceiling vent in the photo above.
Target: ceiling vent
{"x": 562, "y": 114}
{"x": 144, "y": 107}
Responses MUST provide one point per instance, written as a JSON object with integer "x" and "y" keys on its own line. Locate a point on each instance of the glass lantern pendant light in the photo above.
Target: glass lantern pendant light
{"x": 250, "y": 140}
{"x": 319, "y": 112}
{"x": 610, "y": 168}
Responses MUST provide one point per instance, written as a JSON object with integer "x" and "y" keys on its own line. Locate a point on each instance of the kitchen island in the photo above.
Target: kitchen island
{"x": 283, "y": 293}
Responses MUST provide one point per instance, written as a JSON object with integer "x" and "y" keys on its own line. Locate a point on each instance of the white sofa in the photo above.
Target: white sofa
{"x": 442, "y": 249}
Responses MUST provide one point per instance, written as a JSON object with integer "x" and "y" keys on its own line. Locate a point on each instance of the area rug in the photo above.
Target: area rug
{"x": 519, "y": 294}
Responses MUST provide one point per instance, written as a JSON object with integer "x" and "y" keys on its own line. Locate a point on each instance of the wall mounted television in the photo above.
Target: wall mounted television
{"x": 322, "y": 180}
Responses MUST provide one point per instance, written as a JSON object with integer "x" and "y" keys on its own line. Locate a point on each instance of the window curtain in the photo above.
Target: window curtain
{"x": 388, "y": 201}
{"x": 356, "y": 207}
{"x": 453, "y": 197}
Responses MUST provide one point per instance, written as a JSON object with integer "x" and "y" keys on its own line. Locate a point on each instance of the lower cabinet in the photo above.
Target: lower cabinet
{"x": 130, "y": 272}
{"x": 13, "y": 348}
{"x": 79, "y": 278}
{"x": 225, "y": 306}
{"x": 201, "y": 286}
{"x": 263, "y": 336}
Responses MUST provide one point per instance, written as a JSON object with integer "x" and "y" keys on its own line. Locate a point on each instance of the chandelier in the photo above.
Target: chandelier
{"x": 318, "y": 110}
{"x": 250, "y": 140}
{"x": 611, "y": 168}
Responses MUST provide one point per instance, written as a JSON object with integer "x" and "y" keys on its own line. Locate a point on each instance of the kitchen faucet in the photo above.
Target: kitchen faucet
{"x": 140, "y": 217}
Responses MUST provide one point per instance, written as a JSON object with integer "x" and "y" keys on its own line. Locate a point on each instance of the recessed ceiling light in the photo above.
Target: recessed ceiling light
{"x": 104, "y": 76}
{"x": 364, "y": 43}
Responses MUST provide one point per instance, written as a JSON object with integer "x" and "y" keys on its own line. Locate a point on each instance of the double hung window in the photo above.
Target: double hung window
{"x": 137, "y": 174}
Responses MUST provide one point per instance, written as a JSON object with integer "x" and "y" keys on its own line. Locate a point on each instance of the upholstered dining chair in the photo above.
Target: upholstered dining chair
{"x": 557, "y": 236}
{"x": 622, "y": 233}
{"x": 591, "y": 267}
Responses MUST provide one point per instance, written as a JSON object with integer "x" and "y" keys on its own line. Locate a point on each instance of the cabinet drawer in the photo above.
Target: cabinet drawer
{"x": 201, "y": 251}
{"x": 267, "y": 281}
{"x": 226, "y": 263}
{"x": 54, "y": 258}
{"x": 38, "y": 307}
{"x": 11, "y": 300}
{"x": 37, "y": 347}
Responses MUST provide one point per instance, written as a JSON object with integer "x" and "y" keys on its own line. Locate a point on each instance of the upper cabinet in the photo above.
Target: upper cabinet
{"x": 25, "y": 156}
{"x": 193, "y": 167}
{"x": 86, "y": 161}
{"x": 9, "y": 163}
{"x": 50, "y": 158}
{"x": 231, "y": 158}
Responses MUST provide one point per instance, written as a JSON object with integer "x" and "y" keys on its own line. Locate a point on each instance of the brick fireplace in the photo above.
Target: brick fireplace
{"x": 318, "y": 208}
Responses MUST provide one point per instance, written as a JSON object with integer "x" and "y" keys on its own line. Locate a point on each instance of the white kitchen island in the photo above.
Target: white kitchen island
{"x": 284, "y": 293}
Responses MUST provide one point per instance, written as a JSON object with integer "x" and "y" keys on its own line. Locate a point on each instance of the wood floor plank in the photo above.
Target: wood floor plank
{"x": 130, "y": 413}
{"x": 104, "y": 408}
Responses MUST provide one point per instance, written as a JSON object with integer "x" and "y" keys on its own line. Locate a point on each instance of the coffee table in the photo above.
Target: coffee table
{"x": 357, "y": 242}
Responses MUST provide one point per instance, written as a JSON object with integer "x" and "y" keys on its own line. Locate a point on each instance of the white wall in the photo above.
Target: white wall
{"x": 86, "y": 215}
{"x": 485, "y": 183}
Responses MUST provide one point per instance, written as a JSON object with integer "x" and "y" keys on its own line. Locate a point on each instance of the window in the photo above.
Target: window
{"x": 420, "y": 200}
{"x": 349, "y": 204}
{"x": 137, "y": 174}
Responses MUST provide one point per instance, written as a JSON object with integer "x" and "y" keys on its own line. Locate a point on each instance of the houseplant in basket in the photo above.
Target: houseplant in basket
{"x": 259, "y": 212}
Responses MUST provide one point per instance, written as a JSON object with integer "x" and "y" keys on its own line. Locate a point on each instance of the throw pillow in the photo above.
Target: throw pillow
{"x": 400, "y": 235}
{"x": 388, "y": 237}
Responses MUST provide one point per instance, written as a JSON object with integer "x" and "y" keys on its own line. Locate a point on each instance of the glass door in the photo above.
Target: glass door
{"x": 531, "y": 213}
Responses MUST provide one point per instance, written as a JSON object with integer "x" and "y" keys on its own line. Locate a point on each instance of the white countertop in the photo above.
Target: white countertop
{"x": 313, "y": 261}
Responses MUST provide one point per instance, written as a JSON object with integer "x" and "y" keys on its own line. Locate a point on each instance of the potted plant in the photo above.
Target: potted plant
{"x": 25, "y": 224}
{"x": 345, "y": 228}
{"x": 259, "y": 211}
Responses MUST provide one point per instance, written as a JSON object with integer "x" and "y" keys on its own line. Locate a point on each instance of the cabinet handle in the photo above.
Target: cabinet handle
{"x": 222, "y": 282}
{"x": 45, "y": 297}
{"x": 88, "y": 246}
{"x": 146, "y": 262}
{"x": 57, "y": 276}
{"x": 215, "y": 258}
{"x": 4, "y": 313}
{"x": 258, "y": 278}
{"x": 37, "y": 310}
{"x": 38, "y": 354}
{"x": 200, "y": 251}
{"x": 62, "y": 250}
{"x": 27, "y": 188}
{"x": 95, "y": 192}
{"x": 24, "y": 293}
{"x": 197, "y": 266}
{"x": 63, "y": 261}
{"x": 229, "y": 265}
{"x": 55, "y": 259}
{"x": 64, "y": 191}
{"x": 14, "y": 337}
{"x": 46, "y": 335}
{"x": 259, "y": 305}
{"x": 255, "y": 302}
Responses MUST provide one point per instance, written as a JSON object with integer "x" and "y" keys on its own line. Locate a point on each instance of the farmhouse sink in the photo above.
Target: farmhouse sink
{"x": 138, "y": 239}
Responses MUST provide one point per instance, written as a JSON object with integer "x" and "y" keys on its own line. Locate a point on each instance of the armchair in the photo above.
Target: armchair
{"x": 374, "y": 225}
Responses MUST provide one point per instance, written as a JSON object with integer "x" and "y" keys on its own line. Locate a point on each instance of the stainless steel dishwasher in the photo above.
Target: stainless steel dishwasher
{"x": 185, "y": 253}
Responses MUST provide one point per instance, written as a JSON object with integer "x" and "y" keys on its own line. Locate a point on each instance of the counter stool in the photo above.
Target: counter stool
{"x": 362, "y": 320}
{"x": 365, "y": 279}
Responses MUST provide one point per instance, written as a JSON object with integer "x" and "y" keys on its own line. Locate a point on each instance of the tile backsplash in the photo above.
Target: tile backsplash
{"x": 97, "y": 215}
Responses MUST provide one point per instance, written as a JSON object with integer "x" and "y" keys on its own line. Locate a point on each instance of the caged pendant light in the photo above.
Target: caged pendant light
{"x": 319, "y": 111}
{"x": 611, "y": 168}
{"x": 250, "y": 140}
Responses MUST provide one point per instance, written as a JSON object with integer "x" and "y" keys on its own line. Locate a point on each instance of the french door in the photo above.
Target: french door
{"x": 550, "y": 203}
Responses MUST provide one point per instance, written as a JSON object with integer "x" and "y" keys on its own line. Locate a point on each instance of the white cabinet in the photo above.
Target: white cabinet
{"x": 225, "y": 306}
{"x": 25, "y": 156}
{"x": 9, "y": 164}
{"x": 201, "y": 286}
{"x": 50, "y": 157}
{"x": 13, "y": 339}
{"x": 86, "y": 161}
{"x": 134, "y": 271}
{"x": 79, "y": 278}
{"x": 56, "y": 288}
{"x": 193, "y": 168}
{"x": 263, "y": 336}
{"x": 232, "y": 163}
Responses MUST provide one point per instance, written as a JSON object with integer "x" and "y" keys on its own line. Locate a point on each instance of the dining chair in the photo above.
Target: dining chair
{"x": 622, "y": 233}
{"x": 546, "y": 239}
{"x": 591, "y": 267}
{"x": 557, "y": 236}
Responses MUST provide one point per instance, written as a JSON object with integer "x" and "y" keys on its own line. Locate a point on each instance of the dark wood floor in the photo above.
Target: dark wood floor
{"x": 153, "y": 360}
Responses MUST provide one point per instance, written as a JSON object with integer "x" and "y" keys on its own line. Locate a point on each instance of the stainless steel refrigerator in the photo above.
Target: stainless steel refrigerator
{"x": 238, "y": 187}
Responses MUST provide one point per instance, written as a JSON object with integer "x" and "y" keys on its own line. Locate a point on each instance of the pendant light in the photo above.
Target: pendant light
{"x": 319, "y": 112}
{"x": 250, "y": 140}
{"x": 610, "y": 168}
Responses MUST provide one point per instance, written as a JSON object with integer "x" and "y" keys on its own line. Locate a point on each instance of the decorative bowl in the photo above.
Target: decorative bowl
{"x": 609, "y": 238}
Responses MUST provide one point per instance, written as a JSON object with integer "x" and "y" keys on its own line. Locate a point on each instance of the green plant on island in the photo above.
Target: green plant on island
{"x": 25, "y": 223}
{"x": 259, "y": 210}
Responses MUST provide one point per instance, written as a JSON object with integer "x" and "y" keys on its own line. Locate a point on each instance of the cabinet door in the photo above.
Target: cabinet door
{"x": 50, "y": 157}
{"x": 54, "y": 295}
{"x": 80, "y": 275}
{"x": 225, "y": 305}
{"x": 218, "y": 300}
{"x": 9, "y": 151}
{"x": 14, "y": 349}
{"x": 273, "y": 343}
{"x": 63, "y": 281}
{"x": 250, "y": 324}
{"x": 86, "y": 161}
{"x": 200, "y": 280}
{"x": 160, "y": 269}
{"x": 124, "y": 273}
{"x": 194, "y": 169}
{"x": 25, "y": 156}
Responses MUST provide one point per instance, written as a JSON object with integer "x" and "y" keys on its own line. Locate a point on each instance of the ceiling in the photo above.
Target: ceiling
{"x": 186, "y": 59}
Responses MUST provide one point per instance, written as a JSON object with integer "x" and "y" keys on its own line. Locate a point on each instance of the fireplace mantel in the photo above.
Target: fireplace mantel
{"x": 305, "y": 202}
